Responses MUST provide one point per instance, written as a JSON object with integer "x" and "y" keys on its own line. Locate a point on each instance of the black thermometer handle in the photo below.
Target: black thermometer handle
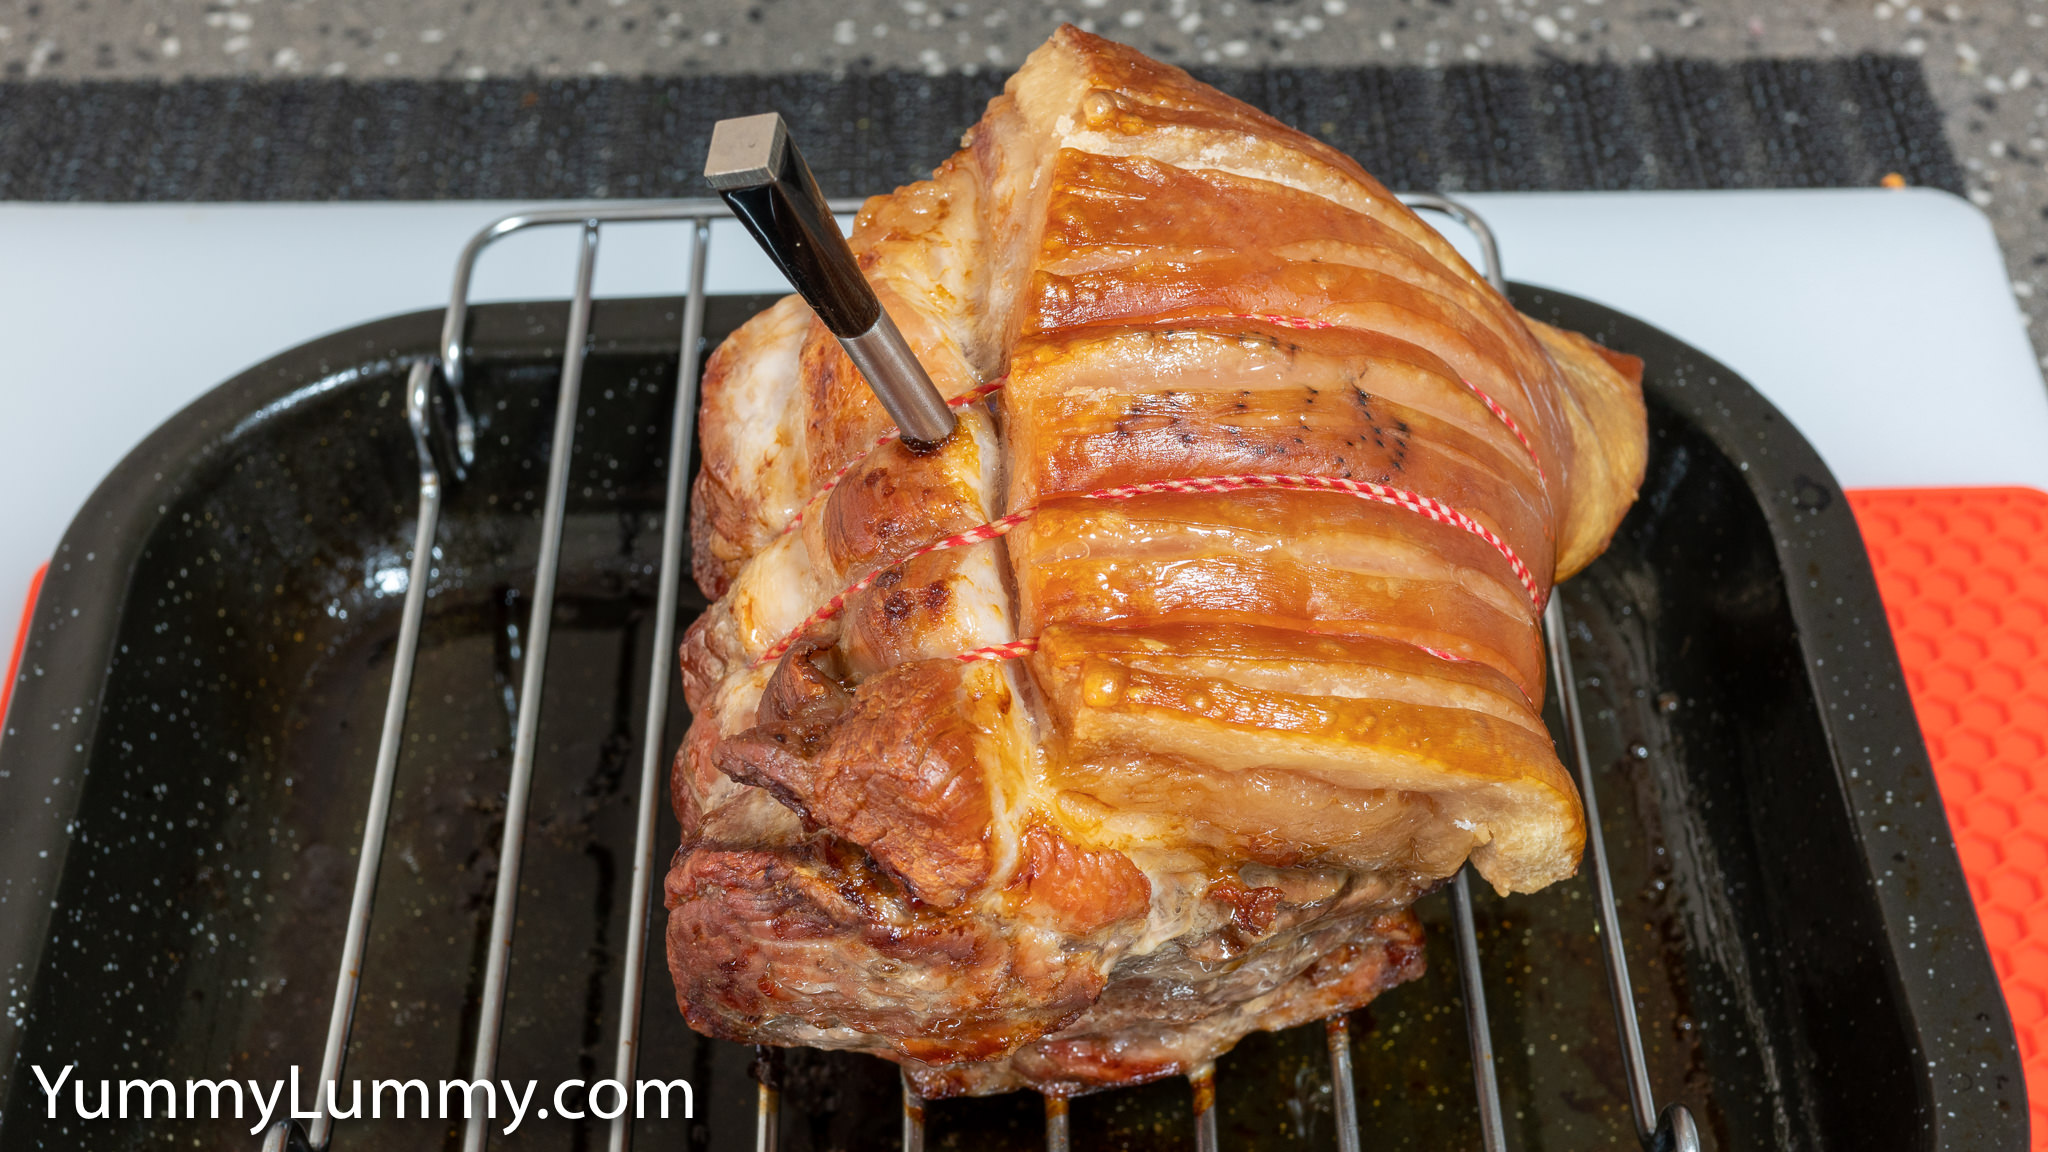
{"x": 756, "y": 167}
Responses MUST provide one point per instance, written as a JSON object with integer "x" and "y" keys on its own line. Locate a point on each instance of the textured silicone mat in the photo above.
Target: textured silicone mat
{"x": 1964, "y": 576}
{"x": 1483, "y": 127}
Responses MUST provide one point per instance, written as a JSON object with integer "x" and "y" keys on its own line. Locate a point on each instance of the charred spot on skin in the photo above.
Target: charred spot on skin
{"x": 902, "y": 603}
{"x": 889, "y": 529}
{"x": 898, "y": 605}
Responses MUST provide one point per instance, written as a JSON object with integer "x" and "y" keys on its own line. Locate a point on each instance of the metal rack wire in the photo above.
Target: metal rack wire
{"x": 1669, "y": 1131}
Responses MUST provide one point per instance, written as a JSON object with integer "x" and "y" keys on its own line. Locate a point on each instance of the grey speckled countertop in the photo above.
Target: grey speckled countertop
{"x": 1986, "y": 61}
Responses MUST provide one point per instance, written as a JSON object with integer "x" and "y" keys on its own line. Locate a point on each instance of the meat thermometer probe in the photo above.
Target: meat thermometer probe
{"x": 755, "y": 167}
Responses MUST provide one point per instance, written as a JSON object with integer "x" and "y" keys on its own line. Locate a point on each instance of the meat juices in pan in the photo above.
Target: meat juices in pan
{"x": 1134, "y": 717}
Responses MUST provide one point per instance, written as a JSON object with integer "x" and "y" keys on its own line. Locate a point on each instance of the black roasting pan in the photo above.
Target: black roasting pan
{"x": 184, "y": 772}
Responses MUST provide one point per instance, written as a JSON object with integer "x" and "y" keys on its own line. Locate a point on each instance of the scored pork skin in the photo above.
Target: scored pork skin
{"x": 1254, "y": 723}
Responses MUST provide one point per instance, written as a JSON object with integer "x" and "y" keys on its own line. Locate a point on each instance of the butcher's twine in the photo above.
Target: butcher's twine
{"x": 974, "y": 395}
{"x": 1427, "y": 506}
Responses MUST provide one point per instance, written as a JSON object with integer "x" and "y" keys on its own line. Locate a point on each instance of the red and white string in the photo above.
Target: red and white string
{"x": 1425, "y": 506}
{"x": 974, "y": 395}
{"x": 1017, "y": 648}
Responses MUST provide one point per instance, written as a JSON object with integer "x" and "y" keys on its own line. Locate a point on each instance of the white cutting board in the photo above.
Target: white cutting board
{"x": 1881, "y": 322}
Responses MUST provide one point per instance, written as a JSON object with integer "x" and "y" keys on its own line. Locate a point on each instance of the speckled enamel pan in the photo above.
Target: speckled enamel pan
{"x": 185, "y": 766}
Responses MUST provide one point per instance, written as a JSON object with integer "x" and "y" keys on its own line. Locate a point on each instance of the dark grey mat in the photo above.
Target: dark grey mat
{"x": 1670, "y": 124}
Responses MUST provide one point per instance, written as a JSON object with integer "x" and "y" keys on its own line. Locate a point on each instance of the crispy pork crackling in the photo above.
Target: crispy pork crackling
{"x": 1134, "y": 717}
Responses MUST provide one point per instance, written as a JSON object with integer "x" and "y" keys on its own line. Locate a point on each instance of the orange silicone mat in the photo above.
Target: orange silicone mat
{"x": 1964, "y": 576}
{"x": 28, "y": 611}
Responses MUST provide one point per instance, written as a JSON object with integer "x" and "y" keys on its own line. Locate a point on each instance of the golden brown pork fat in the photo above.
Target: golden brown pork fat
{"x": 1134, "y": 717}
